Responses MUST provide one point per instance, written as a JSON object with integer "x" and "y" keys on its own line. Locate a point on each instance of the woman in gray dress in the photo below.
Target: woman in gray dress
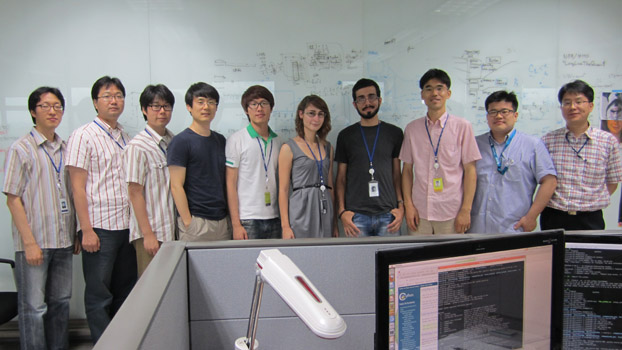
{"x": 306, "y": 162}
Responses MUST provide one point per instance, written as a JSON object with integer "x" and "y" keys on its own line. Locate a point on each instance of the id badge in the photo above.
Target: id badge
{"x": 437, "y": 182}
{"x": 374, "y": 190}
{"x": 64, "y": 207}
{"x": 266, "y": 198}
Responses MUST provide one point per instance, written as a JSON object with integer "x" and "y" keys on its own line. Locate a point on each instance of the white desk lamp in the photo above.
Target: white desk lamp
{"x": 299, "y": 294}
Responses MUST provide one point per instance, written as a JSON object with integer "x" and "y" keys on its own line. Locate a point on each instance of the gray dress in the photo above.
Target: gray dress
{"x": 310, "y": 209}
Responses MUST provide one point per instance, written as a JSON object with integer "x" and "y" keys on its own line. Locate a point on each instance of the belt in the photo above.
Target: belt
{"x": 577, "y": 212}
{"x": 311, "y": 186}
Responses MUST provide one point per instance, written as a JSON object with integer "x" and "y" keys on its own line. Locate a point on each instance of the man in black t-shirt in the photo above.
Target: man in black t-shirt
{"x": 368, "y": 184}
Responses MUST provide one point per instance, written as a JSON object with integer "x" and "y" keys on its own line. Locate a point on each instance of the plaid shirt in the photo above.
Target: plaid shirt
{"x": 585, "y": 165}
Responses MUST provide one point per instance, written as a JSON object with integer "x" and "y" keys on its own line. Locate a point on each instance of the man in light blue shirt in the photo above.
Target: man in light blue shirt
{"x": 512, "y": 166}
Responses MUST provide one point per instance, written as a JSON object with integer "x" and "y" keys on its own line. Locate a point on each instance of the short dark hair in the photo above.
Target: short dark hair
{"x": 363, "y": 83}
{"x": 319, "y": 103}
{"x": 255, "y": 92}
{"x": 435, "y": 73}
{"x": 106, "y": 81}
{"x": 151, "y": 92}
{"x": 502, "y": 96}
{"x": 577, "y": 87}
{"x": 35, "y": 98}
{"x": 201, "y": 89}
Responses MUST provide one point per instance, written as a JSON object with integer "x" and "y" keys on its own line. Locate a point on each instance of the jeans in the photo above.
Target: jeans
{"x": 110, "y": 275}
{"x": 374, "y": 225}
{"x": 262, "y": 229}
{"x": 43, "y": 298}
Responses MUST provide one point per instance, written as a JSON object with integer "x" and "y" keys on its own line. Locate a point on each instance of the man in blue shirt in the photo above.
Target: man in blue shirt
{"x": 512, "y": 166}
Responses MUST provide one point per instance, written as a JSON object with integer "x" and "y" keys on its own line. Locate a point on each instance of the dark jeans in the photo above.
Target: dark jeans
{"x": 374, "y": 225}
{"x": 584, "y": 220}
{"x": 44, "y": 292}
{"x": 262, "y": 229}
{"x": 110, "y": 275}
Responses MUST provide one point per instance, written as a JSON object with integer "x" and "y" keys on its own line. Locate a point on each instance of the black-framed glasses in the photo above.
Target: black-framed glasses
{"x": 263, "y": 104}
{"x": 108, "y": 98}
{"x": 158, "y": 108}
{"x": 361, "y": 99}
{"x": 47, "y": 107}
{"x": 504, "y": 112}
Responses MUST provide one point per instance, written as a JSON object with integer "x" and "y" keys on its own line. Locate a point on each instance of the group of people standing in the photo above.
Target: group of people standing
{"x": 130, "y": 195}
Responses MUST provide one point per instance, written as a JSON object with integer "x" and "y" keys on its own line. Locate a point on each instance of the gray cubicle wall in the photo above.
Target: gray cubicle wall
{"x": 198, "y": 295}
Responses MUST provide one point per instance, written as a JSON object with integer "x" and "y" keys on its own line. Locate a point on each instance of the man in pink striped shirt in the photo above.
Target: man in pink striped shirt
{"x": 95, "y": 166}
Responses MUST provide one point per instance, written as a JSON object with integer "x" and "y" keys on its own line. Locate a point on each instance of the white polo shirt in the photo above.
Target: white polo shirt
{"x": 251, "y": 154}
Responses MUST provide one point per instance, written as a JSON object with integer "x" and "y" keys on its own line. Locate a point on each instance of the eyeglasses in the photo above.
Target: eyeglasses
{"x": 361, "y": 99}
{"x": 569, "y": 103}
{"x": 437, "y": 88}
{"x": 158, "y": 108}
{"x": 312, "y": 114}
{"x": 209, "y": 103}
{"x": 504, "y": 112}
{"x": 47, "y": 107}
{"x": 108, "y": 98}
{"x": 263, "y": 104}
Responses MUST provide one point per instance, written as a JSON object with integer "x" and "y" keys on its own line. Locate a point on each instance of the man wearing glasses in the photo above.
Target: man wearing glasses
{"x": 196, "y": 160}
{"x": 512, "y": 166}
{"x": 587, "y": 161}
{"x": 443, "y": 151}
{"x": 368, "y": 189}
{"x": 152, "y": 219}
{"x": 95, "y": 164}
{"x": 43, "y": 224}
{"x": 252, "y": 155}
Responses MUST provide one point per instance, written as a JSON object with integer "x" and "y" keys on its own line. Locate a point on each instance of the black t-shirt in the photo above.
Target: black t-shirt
{"x": 204, "y": 160}
{"x": 351, "y": 150}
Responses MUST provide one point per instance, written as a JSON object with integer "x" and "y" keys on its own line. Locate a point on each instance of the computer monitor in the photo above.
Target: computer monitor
{"x": 593, "y": 291}
{"x": 500, "y": 292}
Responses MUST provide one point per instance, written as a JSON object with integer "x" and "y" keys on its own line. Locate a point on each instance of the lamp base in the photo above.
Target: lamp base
{"x": 240, "y": 344}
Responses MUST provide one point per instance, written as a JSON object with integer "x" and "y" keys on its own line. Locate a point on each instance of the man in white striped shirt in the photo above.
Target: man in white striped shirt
{"x": 37, "y": 190}
{"x": 152, "y": 219}
{"x": 95, "y": 152}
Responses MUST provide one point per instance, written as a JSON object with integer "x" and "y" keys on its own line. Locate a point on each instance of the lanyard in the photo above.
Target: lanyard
{"x": 370, "y": 155}
{"x": 263, "y": 157}
{"x": 436, "y": 165}
{"x": 499, "y": 158}
{"x": 161, "y": 149}
{"x": 60, "y": 165}
{"x": 318, "y": 163}
{"x": 110, "y": 135}
{"x": 580, "y": 149}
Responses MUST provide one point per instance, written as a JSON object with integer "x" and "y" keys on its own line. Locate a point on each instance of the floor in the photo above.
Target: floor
{"x": 79, "y": 336}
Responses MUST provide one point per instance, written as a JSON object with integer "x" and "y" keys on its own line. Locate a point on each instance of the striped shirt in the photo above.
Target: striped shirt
{"x": 98, "y": 149}
{"x": 585, "y": 165}
{"x": 145, "y": 161}
{"x": 30, "y": 175}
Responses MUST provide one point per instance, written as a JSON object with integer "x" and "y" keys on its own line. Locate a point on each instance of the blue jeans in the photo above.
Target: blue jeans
{"x": 374, "y": 225}
{"x": 43, "y": 294}
{"x": 110, "y": 275}
{"x": 262, "y": 229}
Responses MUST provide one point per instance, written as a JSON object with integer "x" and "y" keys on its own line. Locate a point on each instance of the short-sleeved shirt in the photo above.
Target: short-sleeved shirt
{"x": 251, "y": 155}
{"x": 145, "y": 159}
{"x": 457, "y": 147}
{"x": 501, "y": 200}
{"x": 585, "y": 165}
{"x": 204, "y": 160}
{"x": 351, "y": 151}
{"x": 30, "y": 173}
{"x": 98, "y": 149}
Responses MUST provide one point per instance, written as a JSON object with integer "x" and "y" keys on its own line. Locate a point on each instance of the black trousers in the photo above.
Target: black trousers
{"x": 583, "y": 220}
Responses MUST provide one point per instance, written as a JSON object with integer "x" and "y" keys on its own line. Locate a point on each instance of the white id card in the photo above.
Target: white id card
{"x": 64, "y": 207}
{"x": 374, "y": 190}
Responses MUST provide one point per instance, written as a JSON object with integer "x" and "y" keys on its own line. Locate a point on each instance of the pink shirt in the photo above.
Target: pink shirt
{"x": 457, "y": 147}
{"x": 98, "y": 149}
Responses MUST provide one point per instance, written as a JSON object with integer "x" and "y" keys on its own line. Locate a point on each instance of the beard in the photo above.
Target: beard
{"x": 368, "y": 114}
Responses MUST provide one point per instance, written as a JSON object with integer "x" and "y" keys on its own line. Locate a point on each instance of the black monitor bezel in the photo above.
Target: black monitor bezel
{"x": 470, "y": 246}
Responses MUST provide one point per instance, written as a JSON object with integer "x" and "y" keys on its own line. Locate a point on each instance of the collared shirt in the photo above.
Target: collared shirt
{"x": 582, "y": 179}
{"x": 99, "y": 151}
{"x": 502, "y": 200}
{"x": 145, "y": 161}
{"x": 30, "y": 175}
{"x": 243, "y": 152}
{"x": 457, "y": 147}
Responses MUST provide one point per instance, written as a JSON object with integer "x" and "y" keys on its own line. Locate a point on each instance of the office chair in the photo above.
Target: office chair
{"x": 8, "y": 300}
